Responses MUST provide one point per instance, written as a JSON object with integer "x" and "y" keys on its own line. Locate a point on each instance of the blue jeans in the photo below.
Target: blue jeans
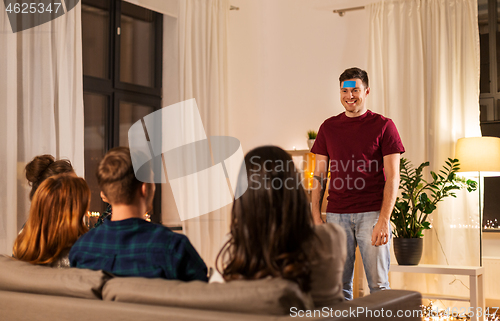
{"x": 376, "y": 259}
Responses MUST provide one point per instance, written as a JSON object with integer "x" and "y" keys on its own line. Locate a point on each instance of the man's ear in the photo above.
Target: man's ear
{"x": 367, "y": 90}
{"x": 144, "y": 189}
{"x": 104, "y": 198}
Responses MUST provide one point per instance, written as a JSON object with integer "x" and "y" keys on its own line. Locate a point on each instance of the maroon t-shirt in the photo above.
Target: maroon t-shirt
{"x": 356, "y": 147}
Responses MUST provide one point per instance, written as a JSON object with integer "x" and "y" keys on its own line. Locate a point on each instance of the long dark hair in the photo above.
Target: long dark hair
{"x": 271, "y": 223}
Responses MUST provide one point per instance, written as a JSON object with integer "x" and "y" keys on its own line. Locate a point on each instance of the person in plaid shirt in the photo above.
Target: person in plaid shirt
{"x": 126, "y": 244}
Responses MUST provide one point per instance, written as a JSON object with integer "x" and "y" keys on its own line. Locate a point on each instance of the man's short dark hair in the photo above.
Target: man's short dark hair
{"x": 115, "y": 176}
{"x": 354, "y": 73}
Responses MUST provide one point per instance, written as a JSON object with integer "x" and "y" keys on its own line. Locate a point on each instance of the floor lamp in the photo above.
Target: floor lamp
{"x": 479, "y": 156}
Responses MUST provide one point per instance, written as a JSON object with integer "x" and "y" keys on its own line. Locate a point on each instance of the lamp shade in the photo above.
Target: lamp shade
{"x": 479, "y": 154}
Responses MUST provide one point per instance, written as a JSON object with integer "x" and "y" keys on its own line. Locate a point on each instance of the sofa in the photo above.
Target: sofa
{"x": 29, "y": 292}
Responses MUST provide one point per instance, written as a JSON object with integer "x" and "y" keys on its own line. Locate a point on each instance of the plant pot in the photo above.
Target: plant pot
{"x": 408, "y": 251}
{"x": 310, "y": 143}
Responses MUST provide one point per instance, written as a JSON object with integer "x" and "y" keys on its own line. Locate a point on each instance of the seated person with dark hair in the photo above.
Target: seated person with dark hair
{"x": 126, "y": 244}
{"x": 43, "y": 167}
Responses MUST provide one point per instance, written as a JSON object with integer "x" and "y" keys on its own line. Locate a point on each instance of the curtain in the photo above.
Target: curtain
{"x": 41, "y": 108}
{"x": 202, "y": 74}
{"x": 424, "y": 74}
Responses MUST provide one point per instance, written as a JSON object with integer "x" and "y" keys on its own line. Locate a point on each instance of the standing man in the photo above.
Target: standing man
{"x": 362, "y": 150}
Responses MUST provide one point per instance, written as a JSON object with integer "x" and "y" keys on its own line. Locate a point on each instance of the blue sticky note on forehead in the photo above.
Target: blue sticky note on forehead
{"x": 349, "y": 84}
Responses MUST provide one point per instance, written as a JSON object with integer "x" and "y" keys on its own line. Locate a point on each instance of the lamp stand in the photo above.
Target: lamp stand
{"x": 480, "y": 214}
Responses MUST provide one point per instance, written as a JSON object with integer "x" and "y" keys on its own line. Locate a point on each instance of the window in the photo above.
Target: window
{"x": 122, "y": 68}
{"x": 489, "y": 99}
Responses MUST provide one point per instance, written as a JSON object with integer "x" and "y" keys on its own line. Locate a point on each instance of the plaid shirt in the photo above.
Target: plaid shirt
{"x": 134, "y": 247}
{"x": 107, "y": 213}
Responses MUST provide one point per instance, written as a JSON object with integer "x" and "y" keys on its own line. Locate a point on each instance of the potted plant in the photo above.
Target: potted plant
{"x": 311, "y": 137}
{"x": 419, "y": 199}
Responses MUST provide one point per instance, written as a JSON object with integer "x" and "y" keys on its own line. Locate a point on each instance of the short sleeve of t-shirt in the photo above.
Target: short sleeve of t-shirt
{"x": 391, "y": 142}
{"x": 319, "y": 146}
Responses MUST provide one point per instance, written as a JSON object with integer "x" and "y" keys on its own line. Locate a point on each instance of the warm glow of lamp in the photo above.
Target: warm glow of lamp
{"x": 481, "y": 156}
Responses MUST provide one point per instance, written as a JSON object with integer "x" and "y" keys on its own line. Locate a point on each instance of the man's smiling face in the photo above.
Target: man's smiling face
{"x": 353, "y": 98}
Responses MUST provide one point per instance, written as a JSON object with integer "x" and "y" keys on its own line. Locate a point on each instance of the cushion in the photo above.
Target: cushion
{"x": 267, "y": 296}
{"x": 19, "y": 276}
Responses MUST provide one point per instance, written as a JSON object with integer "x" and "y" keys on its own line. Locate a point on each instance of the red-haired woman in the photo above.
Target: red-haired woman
{"x": 55, "y": 221}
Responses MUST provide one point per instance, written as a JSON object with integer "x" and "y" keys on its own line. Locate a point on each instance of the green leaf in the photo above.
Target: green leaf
{"x": 426, "y": 225}
{"x": 423, "y": 198}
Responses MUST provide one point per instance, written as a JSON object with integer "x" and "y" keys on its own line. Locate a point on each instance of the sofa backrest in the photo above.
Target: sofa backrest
{"x": 18, "y": 276}
{"x": 266, "y": 296}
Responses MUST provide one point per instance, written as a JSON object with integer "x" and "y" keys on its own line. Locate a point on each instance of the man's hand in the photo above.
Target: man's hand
{"x": 381, "y": 233}
{"x": 381, "y": 230}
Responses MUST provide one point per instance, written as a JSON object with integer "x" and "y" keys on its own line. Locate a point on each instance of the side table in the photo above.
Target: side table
{"x": 475, "y": 273}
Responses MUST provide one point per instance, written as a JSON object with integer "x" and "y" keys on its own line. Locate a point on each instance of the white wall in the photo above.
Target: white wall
{"x": 167, "y": 7}
{"x": 285, "y": 57}
{"x": 491, "y": 245}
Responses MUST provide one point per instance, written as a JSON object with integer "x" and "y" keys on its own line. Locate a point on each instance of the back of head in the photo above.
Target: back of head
{"x": 55, "y": 221}
{"x": 44, "y": 166}
{"x": 116, "y": 178}
{"x": 354, "y": 73}
{"x": 271, "y": 222}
